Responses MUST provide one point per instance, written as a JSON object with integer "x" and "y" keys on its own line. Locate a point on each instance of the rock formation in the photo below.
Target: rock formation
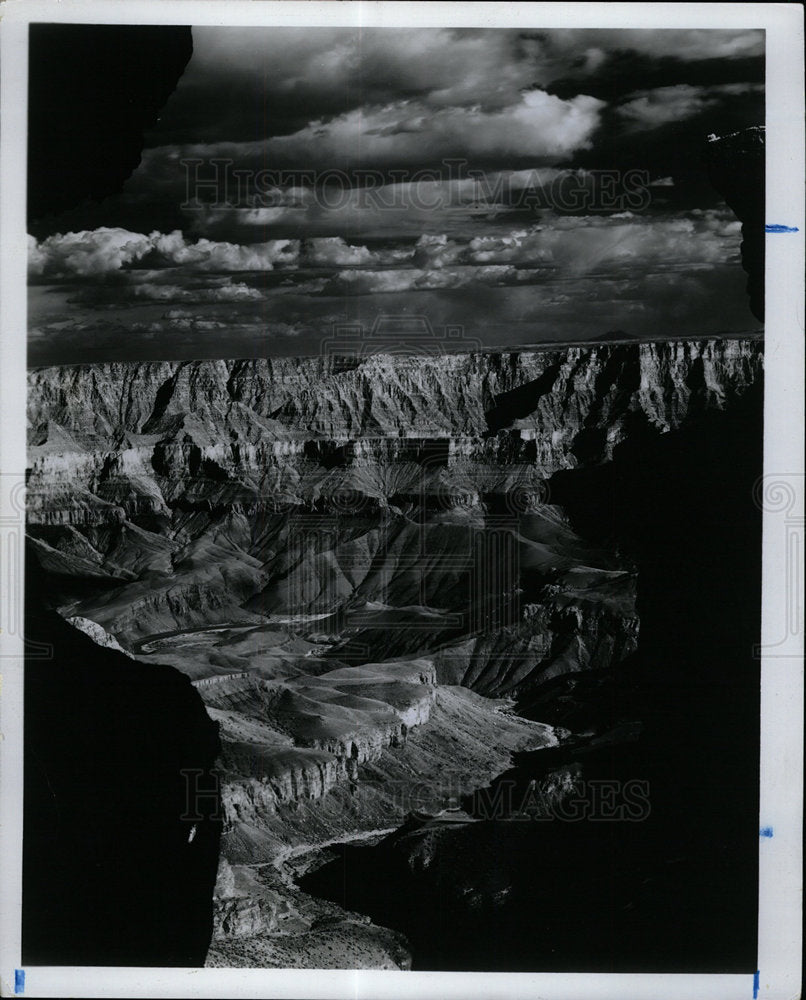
{"x": 736, "y": 167}
{"x": 119, "y": 855}
{"x": 94, "y": 90}
{"x": 352, "y": 558}
{"x": 586, "y": 880}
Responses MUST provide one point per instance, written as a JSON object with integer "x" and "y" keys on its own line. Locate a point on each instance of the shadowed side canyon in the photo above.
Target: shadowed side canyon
{"x": 661, "y": 870}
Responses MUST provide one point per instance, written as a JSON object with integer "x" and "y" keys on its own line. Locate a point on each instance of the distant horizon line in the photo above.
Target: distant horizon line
{"x": 549, "y": 346}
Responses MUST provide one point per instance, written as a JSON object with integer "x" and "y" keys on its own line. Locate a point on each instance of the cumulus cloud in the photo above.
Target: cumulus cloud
{"x": 334, "y": 251}
{"x": 235, "y": 292}
{"x": 206, "y": 255}
{"x": 173, "y": 321}
{"x": 583, "y": 244}
{"x": 421, "y": 279}
{"x": 573, "y": 247}
{"x": 122, "y": 295}
{"x": 86, "y": 253}
{"x": 102, "y": 251}
{"x": 436, "y": 251}
{"x": 558, "y": 245}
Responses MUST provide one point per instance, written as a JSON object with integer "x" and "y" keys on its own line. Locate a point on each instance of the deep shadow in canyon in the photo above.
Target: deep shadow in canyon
{"x": 676, "y": 891}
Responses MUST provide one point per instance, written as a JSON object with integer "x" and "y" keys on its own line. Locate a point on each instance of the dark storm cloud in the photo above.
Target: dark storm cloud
{"x": 408, "y": 99}
{"x": 536, "y": 128}
{"x": 245, "y": 85}
{"x": 251, "y": 84}
{"x": 621, "y": 71}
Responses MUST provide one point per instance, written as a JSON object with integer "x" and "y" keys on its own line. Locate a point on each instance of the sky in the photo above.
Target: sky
{"x": 493, "y": 187}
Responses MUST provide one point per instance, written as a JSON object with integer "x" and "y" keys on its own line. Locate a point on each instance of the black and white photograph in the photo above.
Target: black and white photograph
{"x": 409, "y": 496}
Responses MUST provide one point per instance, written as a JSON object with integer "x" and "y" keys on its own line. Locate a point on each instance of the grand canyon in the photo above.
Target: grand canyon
{"x": 418, "y": 652}
{"x": 381, "y": 589}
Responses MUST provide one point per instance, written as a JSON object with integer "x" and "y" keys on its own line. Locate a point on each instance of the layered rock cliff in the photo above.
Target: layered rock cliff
{"x": 171, "y": 485}
{"x": 334, "y": 550}
{"x": 275, "y": 522}
{"x": 238, "y": 430}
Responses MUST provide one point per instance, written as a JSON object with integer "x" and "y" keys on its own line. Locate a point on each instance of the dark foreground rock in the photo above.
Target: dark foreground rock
{"x": 736, "y": 168}
{"x": 119, "y": 863}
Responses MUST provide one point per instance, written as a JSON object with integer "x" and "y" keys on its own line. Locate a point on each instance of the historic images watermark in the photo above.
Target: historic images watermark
{"x": 219, "y": 182}
{"x": 567, "y": 798}
{"x": 780, "y": 497}
{"x": 564, "y": 796}
{"x": 401, "y": 335}
{"x": 202, "y": 796}
{"x": 12, "y": 561}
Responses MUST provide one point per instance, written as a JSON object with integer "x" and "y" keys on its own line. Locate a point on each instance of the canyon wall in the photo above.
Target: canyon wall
{"x": 262, "y": 426}
{"x": 335, "y": 550}
{"x": 272, "y": 524}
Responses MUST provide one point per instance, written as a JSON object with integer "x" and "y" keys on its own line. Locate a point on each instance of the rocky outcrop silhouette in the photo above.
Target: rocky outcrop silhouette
{"x": 119, "y": 854}
{"x": 94, "y": 90}
{"x": 736, "y": 168}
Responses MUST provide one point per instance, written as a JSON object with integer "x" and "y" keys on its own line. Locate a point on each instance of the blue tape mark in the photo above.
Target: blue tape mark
{"x": 776, "y": 227}
{"x": 765, "y": 831}
{"x": 19, "y": 981}
{"x": 755, "y": 984}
